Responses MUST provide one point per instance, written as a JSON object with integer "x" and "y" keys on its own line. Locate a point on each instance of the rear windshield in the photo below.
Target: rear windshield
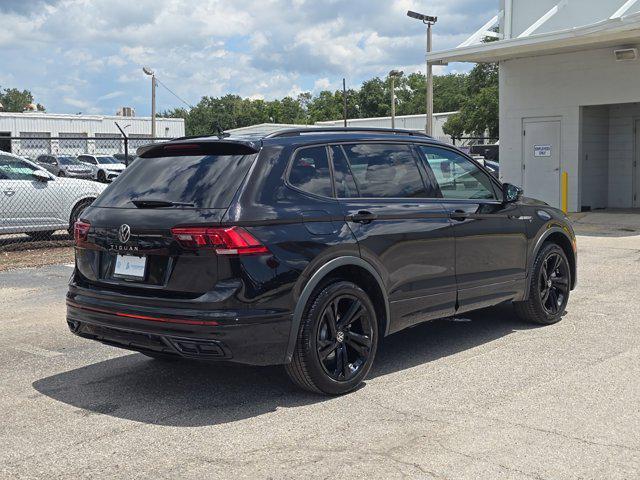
{"x": 208, "y": 181}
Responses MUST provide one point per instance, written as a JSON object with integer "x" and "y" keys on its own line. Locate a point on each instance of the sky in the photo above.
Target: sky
{"x": 87, "y": 55}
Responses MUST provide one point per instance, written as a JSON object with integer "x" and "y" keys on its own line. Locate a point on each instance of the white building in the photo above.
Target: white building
{"x": 408, "y": 122}
{"x": 569, "y": 98}
{"x": 264, "y": 128}
{"x": 56, "y": 133}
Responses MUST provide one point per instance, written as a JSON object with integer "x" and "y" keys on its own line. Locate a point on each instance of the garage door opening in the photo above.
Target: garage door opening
{"x": 609, "y": 156}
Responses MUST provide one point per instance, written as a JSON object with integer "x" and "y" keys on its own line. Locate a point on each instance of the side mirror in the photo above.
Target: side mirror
{"x": 41, "y": 176}
{"x": 511, "y": 193}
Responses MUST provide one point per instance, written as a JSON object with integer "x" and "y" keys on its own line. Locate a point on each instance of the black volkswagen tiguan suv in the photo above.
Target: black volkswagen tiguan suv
{"x": 305, "y": 247}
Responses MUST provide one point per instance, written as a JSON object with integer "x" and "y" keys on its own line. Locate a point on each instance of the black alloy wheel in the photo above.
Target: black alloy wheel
{"x": 337, "y": 340}
{"x": 344, "y": 337}
{"x": 553, "y": 283}
{"x": 549, "y": 287}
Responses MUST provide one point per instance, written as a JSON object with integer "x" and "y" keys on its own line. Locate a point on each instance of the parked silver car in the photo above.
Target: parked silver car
{"x": 35, "y": 202}
{"x": 65, "y": 166}
{"x": 105, "y": 167}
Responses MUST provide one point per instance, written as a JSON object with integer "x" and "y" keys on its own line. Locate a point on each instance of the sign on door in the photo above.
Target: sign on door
{"x": 542, "y": 150}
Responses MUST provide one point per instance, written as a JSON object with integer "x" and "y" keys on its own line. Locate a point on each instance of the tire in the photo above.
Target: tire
{"x": 331, "y": 358}
{"x": 77, "y": 212}
{"x": 61, "y": 173}
{"x": 46, "y": 235}
{"x": 102, "y": 177}
{"x": 549, "y": 287}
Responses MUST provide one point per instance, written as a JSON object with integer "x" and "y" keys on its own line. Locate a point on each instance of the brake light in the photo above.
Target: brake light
{"x": 80, "y": 231}
{"x": 225, "y": 241}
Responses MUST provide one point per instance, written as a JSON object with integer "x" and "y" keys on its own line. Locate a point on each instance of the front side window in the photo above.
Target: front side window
{"x": 457, "y": 176}
{"x": 385, "y": 170}
{"x": 15, "y": 169}
{"x": 310, "y": 171}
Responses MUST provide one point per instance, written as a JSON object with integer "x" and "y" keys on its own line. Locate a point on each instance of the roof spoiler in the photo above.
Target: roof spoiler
{"x": 200, "y": 146}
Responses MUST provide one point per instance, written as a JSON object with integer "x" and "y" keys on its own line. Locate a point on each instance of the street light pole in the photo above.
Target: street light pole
{"x": 429, "y": 124}
{"x": 393, "y": 74}
{"x": 152, "y": 74}
{"x": 429, "y": 21}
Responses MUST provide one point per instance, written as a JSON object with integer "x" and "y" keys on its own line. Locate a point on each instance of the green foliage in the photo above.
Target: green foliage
{"x": 479, "y": 110}
{"x": 14, "y": 100}
{"x": 475, "y": 92}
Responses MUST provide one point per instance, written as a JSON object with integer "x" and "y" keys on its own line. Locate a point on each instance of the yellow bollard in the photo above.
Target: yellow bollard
{"x": 565, "y": 192}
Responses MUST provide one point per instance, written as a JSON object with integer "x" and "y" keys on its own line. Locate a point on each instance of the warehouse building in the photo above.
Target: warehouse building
{"x": 569, "y": 98}
{"x": 32, "y": 133}
{"x": 407, "y": 122}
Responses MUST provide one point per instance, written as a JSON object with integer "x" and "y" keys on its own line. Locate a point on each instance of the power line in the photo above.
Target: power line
{"x": 174, "y": 93}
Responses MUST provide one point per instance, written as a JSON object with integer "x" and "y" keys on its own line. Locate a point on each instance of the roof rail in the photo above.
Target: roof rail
{"x": 299, "y": 131}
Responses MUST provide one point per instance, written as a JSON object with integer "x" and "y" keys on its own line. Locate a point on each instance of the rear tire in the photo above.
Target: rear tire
{"x": 61, "y": 173}
{"x": 46, "y": 235}
{"x": 337, "y": 340}
{"x": 549, "y": 287}
{"x": 102, "y": 177}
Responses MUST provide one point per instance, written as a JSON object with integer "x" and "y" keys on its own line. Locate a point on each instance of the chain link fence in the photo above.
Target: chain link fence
{"x": 47, "y": 182}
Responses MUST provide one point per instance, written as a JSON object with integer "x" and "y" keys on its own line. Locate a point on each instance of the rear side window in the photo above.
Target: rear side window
{"x": 385, "y": 171}
{"x": 310, "y": 171}
{"x": 342, "y": 175}
{"x": 208, "y": 181}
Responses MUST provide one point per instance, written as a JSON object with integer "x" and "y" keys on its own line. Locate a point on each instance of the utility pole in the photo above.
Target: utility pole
{"x": 393, "y": 74}
{"x": 429, "y": 21}
{"x": 344, "y": 98}
{"x": 152, "y": 74}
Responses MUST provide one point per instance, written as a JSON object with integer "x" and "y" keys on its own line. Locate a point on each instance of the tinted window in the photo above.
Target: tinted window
{"x": 385, "y": 170}
{"x": 342, "y": 176}
{"x": 310, "y": 171}
{"x": 67, "y": 161}
{"x": 457, "y": 176}
{"x": 206, "y": 181}
{"x": 15, "y": 169}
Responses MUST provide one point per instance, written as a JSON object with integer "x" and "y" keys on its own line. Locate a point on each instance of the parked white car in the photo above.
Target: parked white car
{"x": 35, "y": 202}
{"x": 105, "y": 167}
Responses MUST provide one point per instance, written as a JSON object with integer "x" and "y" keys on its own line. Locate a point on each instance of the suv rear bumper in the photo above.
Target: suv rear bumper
{"x": 239, "y": 338}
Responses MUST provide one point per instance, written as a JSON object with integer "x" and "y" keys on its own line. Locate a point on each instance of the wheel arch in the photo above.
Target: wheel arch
{"x": 558, "y": 236}
{"x": 351, "y": 268}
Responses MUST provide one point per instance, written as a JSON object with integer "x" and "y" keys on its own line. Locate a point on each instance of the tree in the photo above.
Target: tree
{"x": 14, "y": 100}
{"x": 479, "y": 111}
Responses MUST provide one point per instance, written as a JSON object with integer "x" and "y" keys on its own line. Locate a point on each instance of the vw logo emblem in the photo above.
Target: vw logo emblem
{"x": 124, "y": 233}
{"x": 340, "y": 336}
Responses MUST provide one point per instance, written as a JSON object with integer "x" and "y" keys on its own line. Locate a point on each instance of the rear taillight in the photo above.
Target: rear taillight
{"x": 80, "y": 231}
{"x": 225, "y": 241}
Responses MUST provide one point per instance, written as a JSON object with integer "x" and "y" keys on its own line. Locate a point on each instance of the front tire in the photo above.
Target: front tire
{"x": 337, "y": 340}
{"x": 549, "y": 287}
{"x": 102, "y": 177}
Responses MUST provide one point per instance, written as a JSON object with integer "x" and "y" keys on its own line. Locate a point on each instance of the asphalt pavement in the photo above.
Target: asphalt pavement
{"x": 480, "y": 397}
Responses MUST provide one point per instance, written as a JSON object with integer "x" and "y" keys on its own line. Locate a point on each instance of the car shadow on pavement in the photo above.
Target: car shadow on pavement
{"x": 186, "y": 393}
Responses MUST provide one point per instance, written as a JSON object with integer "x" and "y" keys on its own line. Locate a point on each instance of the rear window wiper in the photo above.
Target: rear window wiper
{"x": 151, "y": 203}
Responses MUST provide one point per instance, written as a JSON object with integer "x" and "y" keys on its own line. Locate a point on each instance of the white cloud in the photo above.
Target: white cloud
{"x": 256, "y": 48}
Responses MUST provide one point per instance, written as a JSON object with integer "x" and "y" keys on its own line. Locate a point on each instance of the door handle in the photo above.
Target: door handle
{"x": 459, "y": 215}
{"x": 363, "y": 216}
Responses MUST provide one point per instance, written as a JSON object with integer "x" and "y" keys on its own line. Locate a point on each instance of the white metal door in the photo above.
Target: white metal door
{"x": 541, "y": 176}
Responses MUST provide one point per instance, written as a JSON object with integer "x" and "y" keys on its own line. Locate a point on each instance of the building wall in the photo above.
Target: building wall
{"x": 621, "y": 153}
{"x": 54, "y": 124}
{"x": 557, "y": 86}
{"x": 407, "y": 122}
{"x": 574, "y": 13}
{"x": 594, "y": 155}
